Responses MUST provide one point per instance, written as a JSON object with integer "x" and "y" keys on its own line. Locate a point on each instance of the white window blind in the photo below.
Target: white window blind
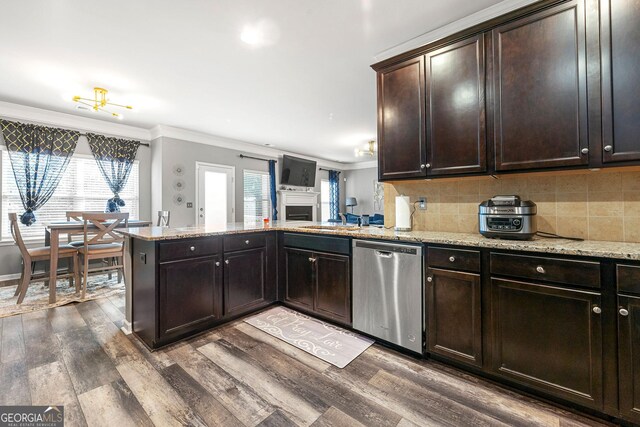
{"x": 324, "y": 200}
{"x": 257, "y": 203}
{"x": 82, "y": 187}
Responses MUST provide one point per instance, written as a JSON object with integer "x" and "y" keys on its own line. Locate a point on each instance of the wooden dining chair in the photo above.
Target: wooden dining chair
{"x": 102, "y": 242}
{"x": 31, "y": 255}
{"x": 76, "y": 239}
{"x": 163, "y": 218}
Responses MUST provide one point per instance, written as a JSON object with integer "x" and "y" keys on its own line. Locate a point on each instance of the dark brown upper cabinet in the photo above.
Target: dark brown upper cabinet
{"x": 620, "y": 49}
{"x": 401, "y": 121}
{"x": 455, "y": 94}
{"x": 540, "y": 109}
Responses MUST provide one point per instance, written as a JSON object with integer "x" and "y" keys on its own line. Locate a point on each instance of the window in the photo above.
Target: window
{"x": 82, "y": 187}
{"x": 257, "y": 199}
{"x": 324, "y": 200}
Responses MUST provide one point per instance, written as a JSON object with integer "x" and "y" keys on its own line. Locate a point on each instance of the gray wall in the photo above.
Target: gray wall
{"x": 360, "y": 185}
{"x": 172, "y": 152}
{"x": 10, "y": 259}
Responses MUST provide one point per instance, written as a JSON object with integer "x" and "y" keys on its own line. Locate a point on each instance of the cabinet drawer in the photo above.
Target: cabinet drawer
{"x": 339, "y": 245}
{"x": 570, "y": 272}
{"x": 243, "y": 241}
{"x": 454, "y": 259}
{"x": 169, "y": 251}
{"x": 628, "y": 279}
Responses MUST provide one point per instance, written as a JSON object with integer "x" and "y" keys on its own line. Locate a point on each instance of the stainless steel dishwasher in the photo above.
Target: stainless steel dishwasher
{"x": 388, "y": 292}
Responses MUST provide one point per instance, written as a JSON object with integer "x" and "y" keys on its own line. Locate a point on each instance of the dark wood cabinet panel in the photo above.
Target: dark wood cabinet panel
{"x": 454, "y": 259}
{"x": 455, "y": 108}
{"x": 540, "y": 111}
{"x": 245, "y": 281}
{"x": 333, "y": 287}
{"x": 401, "y": 121}
{"x": 620, "y": 49}
{"x": 629, "y": 356}
{"x": 190, "y": 295}
{"x": 548, "y": 338}
{"x": 454, "y": 321}
{"x": 299, "y": 278}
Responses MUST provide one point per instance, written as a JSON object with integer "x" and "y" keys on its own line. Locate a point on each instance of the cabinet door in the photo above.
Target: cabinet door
{"x": 629, "y": 353}
{"x": 244, "y": 280}
{"x": 299, "y": 278}
{"x": 190, "y": 295}
{"x": 401, "y": 121}
{"x": 548, "y": 338}
{"x": 620, "y": 48}
{"x": 455, "y": 81}
{"x": 540, "y": 90}
{"x": 333, "y": 287}
{"x": 454, "y": 321}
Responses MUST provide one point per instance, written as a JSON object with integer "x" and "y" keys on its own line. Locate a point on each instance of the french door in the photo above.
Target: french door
{"x": 215, "y": 195}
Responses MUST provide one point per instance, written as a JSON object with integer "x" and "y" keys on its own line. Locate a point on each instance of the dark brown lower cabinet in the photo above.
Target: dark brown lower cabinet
{"x": 245, "y": 281}
{"x": 629, "y": 356}
{"x": 454, "y": 321}
{"x": 190, "y": 295}
{"x": 548, "y": 338}
{"x": 319, "y": 283}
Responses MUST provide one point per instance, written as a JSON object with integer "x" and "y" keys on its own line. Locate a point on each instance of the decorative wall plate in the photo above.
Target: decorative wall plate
{"x": 178, "y": 170}
{"x": 178, "y": 199}
{"x": 178, "y": 185}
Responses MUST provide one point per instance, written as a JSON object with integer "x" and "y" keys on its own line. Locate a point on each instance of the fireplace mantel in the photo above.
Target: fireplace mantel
{"x": 297, "y": 198}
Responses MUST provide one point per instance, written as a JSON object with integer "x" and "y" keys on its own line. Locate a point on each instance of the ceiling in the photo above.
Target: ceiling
{"x": 306, "y": 87}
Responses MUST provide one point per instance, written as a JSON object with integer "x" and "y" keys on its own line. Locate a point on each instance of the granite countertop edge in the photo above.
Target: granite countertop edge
{"x": 587, "y": 248}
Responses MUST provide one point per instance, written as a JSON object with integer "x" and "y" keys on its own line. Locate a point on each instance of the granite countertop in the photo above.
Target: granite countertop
{"x": 593, "y": 248}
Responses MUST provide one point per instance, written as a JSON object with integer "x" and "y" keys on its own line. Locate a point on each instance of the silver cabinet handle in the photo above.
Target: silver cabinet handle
{"x": 226, "y": 261}
{"x": 429, "y": 279}
{"x": 384, "y": 254}
{"x": 596, "y": 309}
{"x": 452, "y": 258}
{"x": 428, "y": 165}
{"x": 423, "y": 166}
{"x": 608, "y": 148}
{"x": 540, "y": 269}
{"x": 585, "y": 151}
{"x": 217, "y": 263}
{"x": 623, "y": 312}
{"x": 311, "y": 259}
{"x": 246, "y": 242}
{"x": 192, "y": 248}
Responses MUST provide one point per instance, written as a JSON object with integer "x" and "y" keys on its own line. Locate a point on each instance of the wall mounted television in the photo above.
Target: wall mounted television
{"x": 298, "y": 172}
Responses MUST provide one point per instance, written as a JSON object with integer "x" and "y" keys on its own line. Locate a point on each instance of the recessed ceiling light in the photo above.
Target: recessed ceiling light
{"x": 269, "y": 145}
{"x": 251, "y": 35}
{"x": 264, "y": 32}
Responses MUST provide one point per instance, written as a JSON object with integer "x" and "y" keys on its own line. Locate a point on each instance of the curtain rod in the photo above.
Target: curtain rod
{"x": 242, "y": 156}
{"x": 328, "y": 170}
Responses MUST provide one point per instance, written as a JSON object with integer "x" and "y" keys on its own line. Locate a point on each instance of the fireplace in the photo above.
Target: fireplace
{"x": 299, "y": 213}
{"x": 297, "y": 205}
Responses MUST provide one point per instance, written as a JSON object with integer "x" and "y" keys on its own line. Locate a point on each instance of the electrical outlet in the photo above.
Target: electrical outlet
{"x": 422, "y": 203}
{"x": 189, "y": 204}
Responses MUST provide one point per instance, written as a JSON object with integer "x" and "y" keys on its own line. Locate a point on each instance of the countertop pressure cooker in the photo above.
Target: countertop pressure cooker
{"x": 508, "y": 217}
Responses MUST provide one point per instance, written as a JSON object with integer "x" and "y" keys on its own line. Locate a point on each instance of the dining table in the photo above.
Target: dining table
{"x": 54, "y": 229}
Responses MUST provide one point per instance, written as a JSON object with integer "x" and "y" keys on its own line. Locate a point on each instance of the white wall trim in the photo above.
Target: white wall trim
{"x": 8, "y": 277}
{"x": 363, "y": 165}
{"x": 71, "y": 121}
{"x": 479, "y": 17}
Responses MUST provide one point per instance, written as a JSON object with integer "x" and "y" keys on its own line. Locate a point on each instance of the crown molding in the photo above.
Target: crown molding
{"x": 363, "y": 165}
{"x": 479, "y": 17}
{"x": 35, "y": 115}
{"x": 246, "y": 147}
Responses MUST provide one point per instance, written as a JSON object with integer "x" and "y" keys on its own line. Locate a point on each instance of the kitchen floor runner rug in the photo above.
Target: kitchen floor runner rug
{"x": 322, "y": 340}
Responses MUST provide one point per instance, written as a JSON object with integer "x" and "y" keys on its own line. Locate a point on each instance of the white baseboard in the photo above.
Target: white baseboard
{"x": 8, "y": 277}
{"x": 126, "y": 327}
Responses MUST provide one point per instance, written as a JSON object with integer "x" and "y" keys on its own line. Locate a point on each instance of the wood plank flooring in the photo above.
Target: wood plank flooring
{"x": 236, "y": 375}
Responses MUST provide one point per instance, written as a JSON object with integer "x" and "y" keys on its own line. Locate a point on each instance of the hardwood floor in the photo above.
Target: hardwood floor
{"x": 236, "y": 375}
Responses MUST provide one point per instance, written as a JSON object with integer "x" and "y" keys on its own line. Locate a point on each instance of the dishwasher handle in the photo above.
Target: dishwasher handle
{"x": 384, "y": 254}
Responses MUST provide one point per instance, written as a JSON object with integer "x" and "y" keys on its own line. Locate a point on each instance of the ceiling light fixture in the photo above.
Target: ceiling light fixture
{"x": 370, "y": 149}
{"x": 100, "y": 101}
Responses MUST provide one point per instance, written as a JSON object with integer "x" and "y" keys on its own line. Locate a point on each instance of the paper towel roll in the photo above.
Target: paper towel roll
{"x": 403, "y": 213}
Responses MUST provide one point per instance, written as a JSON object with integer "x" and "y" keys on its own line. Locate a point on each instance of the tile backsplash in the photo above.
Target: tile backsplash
{"x": 594, "y": 205}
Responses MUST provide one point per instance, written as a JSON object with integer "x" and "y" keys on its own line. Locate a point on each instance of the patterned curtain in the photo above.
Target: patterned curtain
{"x": 272, "y": 185}
{"x": 115, "y": 158}
{"x": 39, "y": 156}
{"x": 334, "y": 194}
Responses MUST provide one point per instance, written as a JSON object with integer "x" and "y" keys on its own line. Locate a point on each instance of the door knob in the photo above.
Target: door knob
{"x": 608, "y": 148}
{"x": 226, "y": 261}
{"x": 423, "y": 166}
{"x": 585, "y": 151}
{"x": 217, "y": 263}
{"x": 452, "y": 258}
{"x": 246, "y": 242}
{"x": 596, "y": 309}
{"x": 540, "y": 269}
{"x": 192, "y": 248}
{"x": 623, "y": 312}
{"x": 429, "y": 279}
